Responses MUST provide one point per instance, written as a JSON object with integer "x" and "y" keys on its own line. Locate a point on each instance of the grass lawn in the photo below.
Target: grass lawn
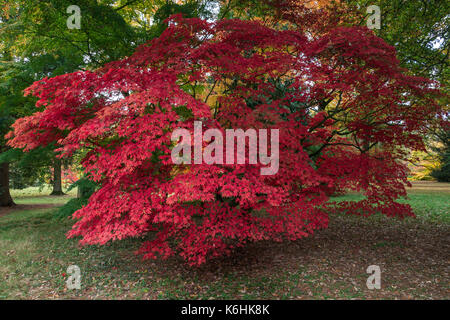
{"x": 413, "y": 255}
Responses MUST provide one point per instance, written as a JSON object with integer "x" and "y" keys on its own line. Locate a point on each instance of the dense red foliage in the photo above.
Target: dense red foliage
{"x": 345, "y": 110}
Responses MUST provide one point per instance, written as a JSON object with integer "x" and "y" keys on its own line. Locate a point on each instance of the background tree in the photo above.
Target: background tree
{"x": 39, "y": 44}
{"x": 420, "y": 32}
{"x": 441, "y": 134}
{"x": 36, "y": 44}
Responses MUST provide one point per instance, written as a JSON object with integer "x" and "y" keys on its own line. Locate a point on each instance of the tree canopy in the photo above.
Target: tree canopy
{"x": 345, "y": 110}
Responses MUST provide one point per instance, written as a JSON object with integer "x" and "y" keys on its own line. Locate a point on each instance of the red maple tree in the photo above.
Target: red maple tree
{"x": 346, "y": 113}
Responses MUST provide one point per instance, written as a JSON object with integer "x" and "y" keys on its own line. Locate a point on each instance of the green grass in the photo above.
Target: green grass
{"x": 428, "y": 207}
{"x": 36, "y": 254}
{"x": 35, "y": 195}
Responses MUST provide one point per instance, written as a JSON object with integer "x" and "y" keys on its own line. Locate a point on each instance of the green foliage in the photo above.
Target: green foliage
{"x": 31, "y": 168}
{"x": 36, "y": 26}
{"x": 28, "y": 168}
{"x": 442, "y": 173}
{"x": 190, "y": 9}
{"x": 70, "y": 207}
{"x": 35, "y": 42}
{"x": 419, "y": 30}
{"x": 246, "y": 9}
{"x": 86, "y": 188}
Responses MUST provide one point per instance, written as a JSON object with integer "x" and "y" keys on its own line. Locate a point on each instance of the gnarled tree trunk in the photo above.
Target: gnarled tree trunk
{"x": 5, "y": 196}
{"x": 57, "y": 183}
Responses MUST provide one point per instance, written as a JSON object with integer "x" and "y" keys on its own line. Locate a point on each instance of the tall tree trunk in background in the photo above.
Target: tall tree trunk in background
{"x": 57, "y": 184}
{"x": 5, "y": 196}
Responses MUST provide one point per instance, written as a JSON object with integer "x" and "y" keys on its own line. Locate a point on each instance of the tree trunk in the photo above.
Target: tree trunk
{"x": 83, "y": 191}
{"x": 5, "y": 196}
{"x": 57, "y": 184}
